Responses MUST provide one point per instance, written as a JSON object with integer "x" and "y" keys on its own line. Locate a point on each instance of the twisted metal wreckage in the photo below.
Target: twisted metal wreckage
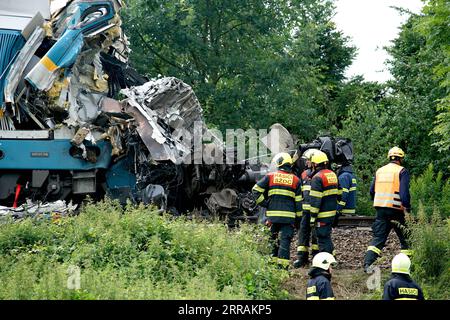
{"x": 63, "y": 136}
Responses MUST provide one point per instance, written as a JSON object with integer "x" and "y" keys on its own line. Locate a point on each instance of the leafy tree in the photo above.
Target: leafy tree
{"x": 370, "y": 129}
{"x": 418, "y": 91}
{"x": 435, "y": 28}
{"x": 251, "y": 63}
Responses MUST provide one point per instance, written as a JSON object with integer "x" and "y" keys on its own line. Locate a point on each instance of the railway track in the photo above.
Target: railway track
{"x": 355, "y": 221}
{"x": 344, "y": 221}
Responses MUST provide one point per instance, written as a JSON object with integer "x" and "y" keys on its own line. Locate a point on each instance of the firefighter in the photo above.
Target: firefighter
{"x": 323, "y": 200}
{"x": 319, "y": 285}
{"x": 280, "y": 193}
{"x": 390, "y": 191}
{"x": 401, "y": 286}
{"x": 346, "y": 191}
{"x": 305, "y": 233}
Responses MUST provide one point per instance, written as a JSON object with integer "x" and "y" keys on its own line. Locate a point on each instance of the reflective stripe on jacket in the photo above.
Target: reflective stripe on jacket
{"x": 319, "y": 288}
{"x": 283, "y": 191}
{"x": 387, "y": 187}
{"x": 347, "y": 192}
{"x": 402, "y": 287}
{"x": 306, "y": 188}
{"x": 323, "y": 194}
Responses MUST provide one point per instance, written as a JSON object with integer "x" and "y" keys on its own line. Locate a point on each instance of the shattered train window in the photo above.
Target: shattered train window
{"x": 90, "y": 16}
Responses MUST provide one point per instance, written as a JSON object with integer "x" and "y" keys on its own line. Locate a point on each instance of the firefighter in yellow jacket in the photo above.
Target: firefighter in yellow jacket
{"x": 280, "y": 192}
{"x": 391, "y": 199}
{"x": 323, "y": 200}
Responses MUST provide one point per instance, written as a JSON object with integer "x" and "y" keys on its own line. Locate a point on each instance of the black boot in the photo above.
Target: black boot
{"x": 314, "y": 252}
{"x": 302, "y": 260}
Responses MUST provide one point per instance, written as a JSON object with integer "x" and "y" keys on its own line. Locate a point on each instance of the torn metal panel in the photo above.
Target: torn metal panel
{"x": 110, "y": 105}
{"x": 62, "y": 54}
{"x": 24, "y": 57}
{"x": 173, "y": 100}
{"x": 169, "y": 101}
{"x": 150, "y": 133}
{"x": 36, "y": 22}
{"x": 84, "y": 107}
{"x": 11, "y": 41}
{"x": 278, "y": 139}
{"x": 84, "y": 18}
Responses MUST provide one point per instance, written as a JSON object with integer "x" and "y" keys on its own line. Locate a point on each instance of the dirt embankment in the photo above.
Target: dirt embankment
{"x": 349, "y": 280}
{"x": 351, "y": 244}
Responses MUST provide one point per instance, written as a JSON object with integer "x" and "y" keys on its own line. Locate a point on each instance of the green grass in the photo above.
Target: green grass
{"x": 135, "y": 253}
{"x": 431, "y": 259}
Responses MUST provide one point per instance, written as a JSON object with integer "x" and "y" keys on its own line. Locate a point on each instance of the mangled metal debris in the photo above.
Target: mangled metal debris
{"x": 64, "y": 134}
{"x": 166, "y": 101}
{"x": 31, "y": 209}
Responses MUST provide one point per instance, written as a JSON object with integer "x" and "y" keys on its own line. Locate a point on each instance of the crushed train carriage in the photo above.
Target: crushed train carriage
{"x": 63, "y": 135}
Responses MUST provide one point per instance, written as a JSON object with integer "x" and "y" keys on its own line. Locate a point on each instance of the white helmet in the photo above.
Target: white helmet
{"x": 323, "y": 260}
{"x": 401, "y": 264}
{"x": 309, "y": 153}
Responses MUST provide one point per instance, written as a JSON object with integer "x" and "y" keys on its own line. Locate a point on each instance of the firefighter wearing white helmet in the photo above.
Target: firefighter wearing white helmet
{"x": 280, "y": 193}
{"x": 323, "y": 200}
{"x": 401, "y": 286}
{"x": 391, "y": 199}
{"x": 319, "y": 284}
{"x": 305, "y": 233}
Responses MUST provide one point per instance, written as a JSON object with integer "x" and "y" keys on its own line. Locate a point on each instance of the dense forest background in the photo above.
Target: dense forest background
{"x": 253, "y": 63}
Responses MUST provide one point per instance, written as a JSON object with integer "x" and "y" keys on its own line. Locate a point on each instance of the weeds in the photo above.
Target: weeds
{"x": 432, "y": 192}
{"x": 135, "y": 253}
{"x": 430, "y": 237}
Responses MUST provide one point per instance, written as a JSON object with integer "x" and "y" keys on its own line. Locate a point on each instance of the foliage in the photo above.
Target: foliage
{"x": 135, "y": 254}
{"x": 435, "y": 29}
{"x": 430, "y": 263}
{"x": 402, "y": 111}
{"x": 432, "y": 192}
{"x": 416, "y": 91}
{"x": 368, "y": 124}
{"x": 251, "y": 62}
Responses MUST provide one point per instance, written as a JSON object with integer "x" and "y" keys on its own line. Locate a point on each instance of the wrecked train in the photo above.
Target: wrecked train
{"x": 63, "y": 135}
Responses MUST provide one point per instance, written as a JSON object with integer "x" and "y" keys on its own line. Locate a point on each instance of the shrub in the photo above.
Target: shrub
{"x": 135, "y": 253}
{"x": 430, "y": 237}
{"x": 432, "y": 191}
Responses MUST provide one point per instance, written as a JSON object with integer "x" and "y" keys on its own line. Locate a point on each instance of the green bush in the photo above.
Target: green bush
{"x": 431, "y": 191}
{"x": 135, "y": 253}
{"x": 430, "y": 237}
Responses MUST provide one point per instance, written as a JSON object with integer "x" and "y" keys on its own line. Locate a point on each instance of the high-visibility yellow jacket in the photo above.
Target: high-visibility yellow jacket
{"x": 387, "y": 187}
